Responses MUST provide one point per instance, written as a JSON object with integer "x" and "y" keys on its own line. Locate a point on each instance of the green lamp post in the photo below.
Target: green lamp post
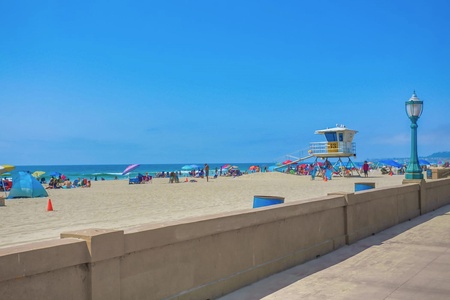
{"x": 414, "y": 109}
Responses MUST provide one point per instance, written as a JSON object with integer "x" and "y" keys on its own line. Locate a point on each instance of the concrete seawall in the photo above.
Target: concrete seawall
{"x": 207, "y": 257}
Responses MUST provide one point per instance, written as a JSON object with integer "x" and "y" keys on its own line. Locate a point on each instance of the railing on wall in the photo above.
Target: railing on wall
{"x": 332, "y": 148}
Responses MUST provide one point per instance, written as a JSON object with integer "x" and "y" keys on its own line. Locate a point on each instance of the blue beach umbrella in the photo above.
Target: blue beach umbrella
{"x": 391, "y": 163}
{"x": 187, "y": 168}
{"x": 424, "y": 162}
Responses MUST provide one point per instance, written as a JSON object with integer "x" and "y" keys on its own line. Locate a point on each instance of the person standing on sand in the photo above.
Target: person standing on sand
{"x": 366, "y": 169}
{"x": 207, "y": 172}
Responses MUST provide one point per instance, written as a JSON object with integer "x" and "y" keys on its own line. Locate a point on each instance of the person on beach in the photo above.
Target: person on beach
{"x": 366, "y": 169}
{"x": 207, "y": 172}
{"x": 67, "y": 183}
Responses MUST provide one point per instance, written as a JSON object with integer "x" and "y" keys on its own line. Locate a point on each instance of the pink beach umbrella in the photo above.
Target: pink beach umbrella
{"x": 130, "y": 168}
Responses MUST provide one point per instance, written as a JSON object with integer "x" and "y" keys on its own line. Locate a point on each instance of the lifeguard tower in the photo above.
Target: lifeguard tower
{"x": 339, "y": 145}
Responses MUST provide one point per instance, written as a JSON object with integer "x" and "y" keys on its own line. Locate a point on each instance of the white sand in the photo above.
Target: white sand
{"x": 118, "y": 205}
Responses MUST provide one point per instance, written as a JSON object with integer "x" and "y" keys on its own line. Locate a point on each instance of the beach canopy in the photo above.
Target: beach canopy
{"x": 390, "y": 162}
{"x": 26, "y": 186}
{"x": 424, "y": 162}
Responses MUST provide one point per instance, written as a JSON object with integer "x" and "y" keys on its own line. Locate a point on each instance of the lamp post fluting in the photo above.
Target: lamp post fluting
{"x": 414, "y": 110}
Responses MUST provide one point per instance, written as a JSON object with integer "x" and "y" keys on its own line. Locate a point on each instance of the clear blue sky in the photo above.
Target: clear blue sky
{"x": 103, "y": 82}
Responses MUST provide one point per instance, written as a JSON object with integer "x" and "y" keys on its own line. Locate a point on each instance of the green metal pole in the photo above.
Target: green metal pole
{"x": 414, "y": 171}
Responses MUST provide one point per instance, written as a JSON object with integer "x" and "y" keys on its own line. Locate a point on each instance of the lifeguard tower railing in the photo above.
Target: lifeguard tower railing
{"x": 332, "y": 149}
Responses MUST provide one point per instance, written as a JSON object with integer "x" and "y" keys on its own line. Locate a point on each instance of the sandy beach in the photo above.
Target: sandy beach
{"x": 118, "y": 205}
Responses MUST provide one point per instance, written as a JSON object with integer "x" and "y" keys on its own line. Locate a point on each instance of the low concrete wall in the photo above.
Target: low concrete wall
{"x": 56, "y": 269}
{"x": 439, "y": 172}
{"x": 437, "y": 194}
{"x": 369, "y": 212}
{"x": 207, "y": 257}
{"x": 210, "y": 257}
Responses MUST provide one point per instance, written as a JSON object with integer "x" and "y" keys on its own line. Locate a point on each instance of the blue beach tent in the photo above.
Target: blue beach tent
{"x": 26, "y": 186}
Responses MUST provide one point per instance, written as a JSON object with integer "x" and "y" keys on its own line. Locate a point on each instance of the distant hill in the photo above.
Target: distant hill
{"x": 445, "y": 154}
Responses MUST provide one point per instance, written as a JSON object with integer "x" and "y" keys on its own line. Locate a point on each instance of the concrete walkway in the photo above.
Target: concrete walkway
{"x": 408, "y": 261}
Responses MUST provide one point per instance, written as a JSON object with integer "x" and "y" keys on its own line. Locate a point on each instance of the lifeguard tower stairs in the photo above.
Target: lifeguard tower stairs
{"x": 339, "y": 144}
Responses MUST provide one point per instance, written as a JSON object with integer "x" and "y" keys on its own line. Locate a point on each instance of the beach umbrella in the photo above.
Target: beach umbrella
{"x": 186, "y": 168}
{"x": 55, "y": 174}
{"x": 226, "y": 166}
{"x": 424, "y": 162}
{"x": 37, "y": 174}
{"x": 253, "y": 168}
{"x": 130, "y": 168}
{"x": 234, "y": 168}
{"x": 6, "y": 168}
{"x": 286, "y": 162}
{"x": 391, "y": 163}
{"x": 194, "y": 166}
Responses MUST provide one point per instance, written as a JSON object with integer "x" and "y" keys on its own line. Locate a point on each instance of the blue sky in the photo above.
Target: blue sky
{"x": 104, "y": 82}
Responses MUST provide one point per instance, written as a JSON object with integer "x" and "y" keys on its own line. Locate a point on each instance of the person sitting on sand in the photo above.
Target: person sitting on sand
{"x": 171, "y": 175}
{"x": 67, "y": 184}
{"x": 53, "y": 183}
{"x": 84, "y": 182}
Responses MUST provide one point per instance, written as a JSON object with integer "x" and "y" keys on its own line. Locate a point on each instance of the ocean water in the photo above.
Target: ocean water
{"x": 111, "y": 172}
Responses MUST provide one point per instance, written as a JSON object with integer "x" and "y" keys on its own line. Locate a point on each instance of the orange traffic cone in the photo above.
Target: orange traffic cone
{"x": 49, "y": 205}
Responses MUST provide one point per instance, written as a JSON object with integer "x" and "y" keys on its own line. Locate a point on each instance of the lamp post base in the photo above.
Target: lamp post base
{"x": 414, "y": 175}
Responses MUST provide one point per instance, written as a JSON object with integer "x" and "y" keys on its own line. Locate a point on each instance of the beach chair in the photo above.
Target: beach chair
{"x": 134, "y": 181}
{"x": 75, "y": 183}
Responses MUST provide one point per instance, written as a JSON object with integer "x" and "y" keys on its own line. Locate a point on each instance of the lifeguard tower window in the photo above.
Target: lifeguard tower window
{"x": 341, "y": 137}
{"x": 331, "y": 136}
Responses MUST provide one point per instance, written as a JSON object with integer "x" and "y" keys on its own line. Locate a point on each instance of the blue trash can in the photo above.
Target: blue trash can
{"x": 261, "y": 201}
{"x": 362, "y": 186}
